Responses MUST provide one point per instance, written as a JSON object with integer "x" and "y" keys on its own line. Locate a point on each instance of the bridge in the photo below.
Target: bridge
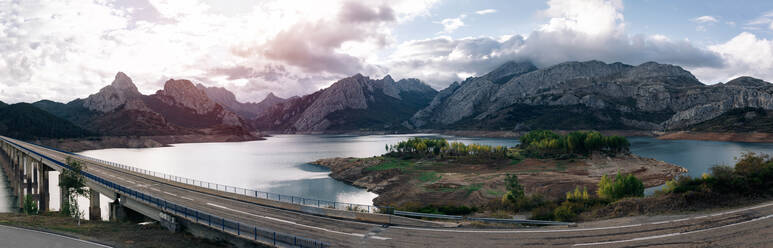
{"x": 249, "y": 218}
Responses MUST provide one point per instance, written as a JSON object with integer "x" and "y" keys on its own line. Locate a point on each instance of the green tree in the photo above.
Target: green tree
{"x": 619, "y": 187}
{"x": 75, "y": 185}
{"x": 514, "y": 188}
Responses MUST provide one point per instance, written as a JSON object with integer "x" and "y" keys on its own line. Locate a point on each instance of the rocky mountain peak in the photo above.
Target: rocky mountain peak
{"x": 508, "y": 70}
{"x": 124, "y": 83}
{"x": 186, "y": 94}
{"x": 748, "y": 82}
{"x": 664, "y": 72}
{"x": 110, "y": 97}
{"x": 272, "y": 98}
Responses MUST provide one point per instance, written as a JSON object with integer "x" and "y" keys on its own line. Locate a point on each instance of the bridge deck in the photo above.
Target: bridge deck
{"x": 347, "y": 233}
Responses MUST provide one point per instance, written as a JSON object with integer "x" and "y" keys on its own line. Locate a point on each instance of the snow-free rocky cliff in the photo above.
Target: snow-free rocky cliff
{"x": 592, "y": 95}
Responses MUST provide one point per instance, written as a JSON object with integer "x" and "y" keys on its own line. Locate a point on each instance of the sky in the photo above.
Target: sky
{"x": 66, "y": 49}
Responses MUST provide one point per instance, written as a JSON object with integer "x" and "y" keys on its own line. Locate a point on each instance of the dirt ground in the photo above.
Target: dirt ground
{"x": 124, "y": 234}
{"x": 400, "y": 182}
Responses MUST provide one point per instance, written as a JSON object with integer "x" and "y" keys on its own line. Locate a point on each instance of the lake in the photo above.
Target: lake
{"x": 280, "y": 163}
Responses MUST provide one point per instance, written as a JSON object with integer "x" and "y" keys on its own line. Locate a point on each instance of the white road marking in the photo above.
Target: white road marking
{"x": 186, "y": 198}
{"x": 670, "y": 234}
{"x": 584, "y": 229}
{"x": 154, "y": 189}
{"x": 297, "y": 224}
{"x": 169, "y": 193}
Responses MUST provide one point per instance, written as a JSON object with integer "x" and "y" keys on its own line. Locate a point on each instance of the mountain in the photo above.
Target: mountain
{"x": 353, "y": 103}
{"x": 740, "y": 120}
{"x": 25, "y": 121}
{"x": 119, "y": 109}
{"x": 247, "y": 110}
{"x": 587, "y": 95}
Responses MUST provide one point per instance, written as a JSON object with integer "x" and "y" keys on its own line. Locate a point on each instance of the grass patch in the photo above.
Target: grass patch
{"x": 561, "y": 166}
{"x": 391, "y": 163}
{"x": 495, "y": 193}
{"x": 473, "y": 187}
{"x": 429, "y": 176}
{"x": 516, "y": 161}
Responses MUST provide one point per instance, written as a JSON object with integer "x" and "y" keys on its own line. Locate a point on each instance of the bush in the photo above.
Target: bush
{"x": 543, "y": 213}
{"x": 752, "y": 175}
{"x": 565, "y": 212}
{"x": 622, "y": 186}
{"x": 446, "y": 209}
{"x": 30, "y": 206}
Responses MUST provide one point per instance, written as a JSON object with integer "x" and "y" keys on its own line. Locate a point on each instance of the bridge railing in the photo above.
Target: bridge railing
{"x": 239, "y": 190}
{"x": 213, "y": 221}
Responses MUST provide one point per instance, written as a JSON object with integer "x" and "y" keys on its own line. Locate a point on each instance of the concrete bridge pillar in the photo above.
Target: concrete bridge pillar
{"x": 63, "y": 193}
{"x": 95, "y": 213}
{"x": 44, "y": 197}
{"x": 117, "y": 211}
{"x": 21, "y": 177}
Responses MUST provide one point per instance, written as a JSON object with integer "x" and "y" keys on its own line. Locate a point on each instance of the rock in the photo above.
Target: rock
{"x": 592, "y": 94}
{"x": 114, "y": 95}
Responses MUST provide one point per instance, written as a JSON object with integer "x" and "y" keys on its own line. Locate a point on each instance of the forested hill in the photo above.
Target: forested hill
{"x": 25, "y": 121}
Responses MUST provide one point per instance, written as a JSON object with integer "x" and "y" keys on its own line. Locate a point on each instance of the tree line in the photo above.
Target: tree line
{"x": 439, "y": 148}
{"x": 546, "y": 142}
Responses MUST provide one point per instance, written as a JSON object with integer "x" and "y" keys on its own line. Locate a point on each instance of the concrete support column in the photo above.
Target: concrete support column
{"x": 95, "y": 213}
{"x": 44, "y": 198}
{"x": 117, "y": 212}
{"x": 64, "y": 196}
{"x": 21, "y": 177}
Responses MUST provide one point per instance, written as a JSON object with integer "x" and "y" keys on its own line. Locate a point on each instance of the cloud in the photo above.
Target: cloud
{"x": 705, "y": 19}
{"x": 744, "y": 55}
{"x": 451, "y": 24}
{"x": 64, "y": 49}
{"x": 485, "y": 11}
{"x": 591, "y": 30}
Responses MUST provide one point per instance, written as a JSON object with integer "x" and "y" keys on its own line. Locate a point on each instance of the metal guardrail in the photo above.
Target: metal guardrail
{"x": 528, "y": 222}
{"x": 497, "y": 220}
{"x": 424, "y": 215}
{"x": 213, "y": 221}
{"x": 238, "y": 190}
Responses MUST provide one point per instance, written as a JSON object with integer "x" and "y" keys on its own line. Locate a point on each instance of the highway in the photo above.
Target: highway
{"x": 749, "y": 226}
{"x": 25, "y": 238}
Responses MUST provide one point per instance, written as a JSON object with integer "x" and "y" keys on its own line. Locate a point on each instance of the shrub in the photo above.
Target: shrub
{"x": 30, "y": 205}
{"x": 622, "y": 186}
{"x": 565, "y": 212}
{"x": 514, "y": 189}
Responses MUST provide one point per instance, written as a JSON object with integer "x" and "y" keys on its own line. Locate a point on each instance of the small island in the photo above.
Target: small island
{"x": 422, "y": 173}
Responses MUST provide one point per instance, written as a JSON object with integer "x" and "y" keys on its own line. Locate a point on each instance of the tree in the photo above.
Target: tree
{"x": 514, "y": 188}
{"x": 619, "y": 187}
{"x": 30, "y": 206}
{"x": 75, "y": 185}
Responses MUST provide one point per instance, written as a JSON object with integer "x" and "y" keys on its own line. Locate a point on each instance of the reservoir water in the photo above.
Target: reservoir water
{"x": 280, "y": 163}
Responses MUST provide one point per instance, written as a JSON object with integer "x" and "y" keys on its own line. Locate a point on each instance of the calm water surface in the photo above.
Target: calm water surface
{"x": 280, "y": 163}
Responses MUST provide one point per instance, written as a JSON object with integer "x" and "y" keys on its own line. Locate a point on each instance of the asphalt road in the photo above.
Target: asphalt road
{"x": 13, "y": 237}
{"x": 744, "y": 227}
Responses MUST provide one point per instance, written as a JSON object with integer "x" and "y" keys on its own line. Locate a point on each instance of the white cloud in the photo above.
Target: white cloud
{"x": 64, "y": 49}
{"x": 705, "y": 19}
{"x": 485, "y": 11}
{"x": 452, "y": 24}
{"x": 744, "y": 55}
{"x": 574, "y": 31}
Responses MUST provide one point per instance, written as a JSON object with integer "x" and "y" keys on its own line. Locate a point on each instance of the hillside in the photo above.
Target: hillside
{"x": 119, "y": 109}
{"x": 350, "y": 104}
{"x": 587, "y": 95}
{"x": 740, "y": 120}
{"x": 25, "y": 121}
